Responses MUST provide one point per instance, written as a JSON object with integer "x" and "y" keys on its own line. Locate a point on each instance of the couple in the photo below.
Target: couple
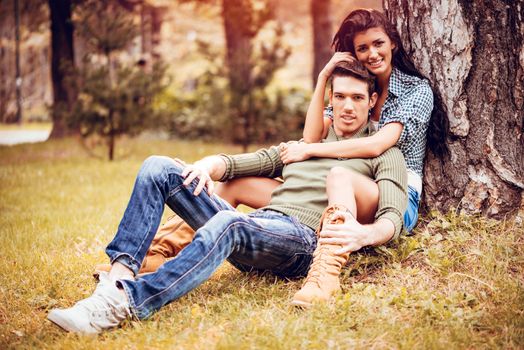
{"x": 280, "y": 237}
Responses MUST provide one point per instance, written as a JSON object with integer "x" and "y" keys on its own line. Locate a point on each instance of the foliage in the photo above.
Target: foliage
{"x": 234, "y": 99}
{"x": 107, "y": 33}
{"x": 249, "y": 108}
{"x": 115, "y": 98}
{"x": 457, "y": 283}
{"x": 125, "y": 107}
{"x": 203, "y": 113}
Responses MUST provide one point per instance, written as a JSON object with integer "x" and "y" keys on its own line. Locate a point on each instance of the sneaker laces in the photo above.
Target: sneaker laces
{"x": 106, "y": 307}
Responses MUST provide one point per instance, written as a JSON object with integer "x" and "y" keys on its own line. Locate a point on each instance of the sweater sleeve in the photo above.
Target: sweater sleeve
{"x": 391, "y": 178}
{"x": 264, "y": 162}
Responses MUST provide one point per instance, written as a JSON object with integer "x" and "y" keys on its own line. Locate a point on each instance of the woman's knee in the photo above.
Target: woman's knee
{"x": 339, "y": 176}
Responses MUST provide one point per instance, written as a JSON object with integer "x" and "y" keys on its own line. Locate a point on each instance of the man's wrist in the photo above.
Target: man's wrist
{"x": 215, "y": 166}
{"x": 379, "y": 232}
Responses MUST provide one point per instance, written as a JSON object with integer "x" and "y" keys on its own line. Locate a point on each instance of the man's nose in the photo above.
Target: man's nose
{"x": 348, "y": 105}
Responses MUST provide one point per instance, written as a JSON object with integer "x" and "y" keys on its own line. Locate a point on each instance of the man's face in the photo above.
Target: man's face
{"x": 351, "y": 104}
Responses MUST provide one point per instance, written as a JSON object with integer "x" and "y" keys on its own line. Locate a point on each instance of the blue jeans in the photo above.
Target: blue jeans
{"x": 262, "y": 240}
{"x": 411, "y": 214}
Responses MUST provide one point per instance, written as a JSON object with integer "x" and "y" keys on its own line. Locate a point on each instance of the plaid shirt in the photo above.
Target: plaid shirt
{"x": 410, "y": 102}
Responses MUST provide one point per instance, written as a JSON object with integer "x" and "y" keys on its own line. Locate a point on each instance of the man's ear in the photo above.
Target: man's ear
{"x": 373, "y": 100}
{"x": 330, "y": 97}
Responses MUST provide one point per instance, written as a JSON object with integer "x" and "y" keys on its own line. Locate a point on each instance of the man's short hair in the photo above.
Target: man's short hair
{"x": 356, "y": 70}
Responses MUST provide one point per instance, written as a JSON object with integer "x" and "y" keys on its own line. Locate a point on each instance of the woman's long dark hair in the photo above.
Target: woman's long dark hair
{"x": 361, "y": 20}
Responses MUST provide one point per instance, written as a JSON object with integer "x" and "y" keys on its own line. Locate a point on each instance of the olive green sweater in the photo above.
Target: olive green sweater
{"x": 303, "y": 192}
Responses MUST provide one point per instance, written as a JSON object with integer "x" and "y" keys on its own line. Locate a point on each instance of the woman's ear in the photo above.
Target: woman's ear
{"x": 373, "y": 100}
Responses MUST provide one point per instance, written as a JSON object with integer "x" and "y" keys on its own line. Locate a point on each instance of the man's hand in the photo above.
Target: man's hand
{"x": 335, "y": 59}
{"x": 350, "y": 235}
{"x": 293, "y": 152}
{"x": 205, "y": 170}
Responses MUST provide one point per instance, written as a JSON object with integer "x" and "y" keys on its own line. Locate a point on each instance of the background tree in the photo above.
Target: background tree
{"x": 473, "y": 52}
{"x": 322, "y": 35}
{"x": 33, "y": 20}
{"x": 62, "y": 64}
{"x": 115, "y": 98}
{"x": 231, "y": 99}
{"x": 249, "y": 71}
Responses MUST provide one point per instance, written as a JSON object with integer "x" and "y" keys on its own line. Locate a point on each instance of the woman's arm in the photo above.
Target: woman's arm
{"x": 314, "y": 124}
{"x": 327, "y": 125}
{"x": 363, "y": 147}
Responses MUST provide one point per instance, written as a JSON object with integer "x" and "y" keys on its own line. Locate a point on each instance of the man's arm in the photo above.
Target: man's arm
{"x": 392, "y": 180}
{"x": 264, "y": 162}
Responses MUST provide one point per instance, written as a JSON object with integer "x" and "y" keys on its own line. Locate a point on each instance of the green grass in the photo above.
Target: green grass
{"x": 456, "y": 284}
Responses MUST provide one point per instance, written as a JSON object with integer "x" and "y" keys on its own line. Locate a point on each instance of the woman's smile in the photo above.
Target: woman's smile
{"x": 375, "y": 50}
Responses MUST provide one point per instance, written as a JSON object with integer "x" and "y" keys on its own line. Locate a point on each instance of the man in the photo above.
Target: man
{"x": 279, "y": 238}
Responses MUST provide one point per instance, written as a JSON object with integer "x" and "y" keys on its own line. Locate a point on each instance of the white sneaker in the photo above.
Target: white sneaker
{"x": 106, "y": 308}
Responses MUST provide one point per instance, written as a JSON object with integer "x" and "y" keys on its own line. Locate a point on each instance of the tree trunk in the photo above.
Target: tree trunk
{"x": 473, "y": 53}
{"x": 322, "y": 35}
{"x": 62, "y": 62}
{"x": 238, "y": 27}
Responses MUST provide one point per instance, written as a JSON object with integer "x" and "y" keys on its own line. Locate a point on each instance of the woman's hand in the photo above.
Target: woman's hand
{"x": 351, "y": 235}
{"x": 294, "y": 152}
{"x": 335, "y": 59}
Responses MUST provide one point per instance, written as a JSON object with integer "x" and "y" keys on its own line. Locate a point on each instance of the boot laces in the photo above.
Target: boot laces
{"x": 323, "y": 256}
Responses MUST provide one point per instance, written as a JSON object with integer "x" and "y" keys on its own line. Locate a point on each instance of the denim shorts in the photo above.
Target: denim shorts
{"x": 411, "y": 214}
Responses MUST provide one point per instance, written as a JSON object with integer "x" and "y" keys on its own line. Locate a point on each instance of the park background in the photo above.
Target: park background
{"x": 154, "y": 77}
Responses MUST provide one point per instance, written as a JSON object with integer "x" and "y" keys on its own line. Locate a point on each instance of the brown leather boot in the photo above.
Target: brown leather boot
{"x": 322, "y": 280}
{"x": 169, "y": 240}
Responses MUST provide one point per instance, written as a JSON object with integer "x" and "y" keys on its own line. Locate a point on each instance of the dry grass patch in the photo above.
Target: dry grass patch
{"x": 457, "y": 283}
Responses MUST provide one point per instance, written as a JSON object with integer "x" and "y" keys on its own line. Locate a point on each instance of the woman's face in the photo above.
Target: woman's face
{"x": 374, "y": 49}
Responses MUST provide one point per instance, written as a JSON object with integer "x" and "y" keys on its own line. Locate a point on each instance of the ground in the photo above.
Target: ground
{"x": 457, "y": 283}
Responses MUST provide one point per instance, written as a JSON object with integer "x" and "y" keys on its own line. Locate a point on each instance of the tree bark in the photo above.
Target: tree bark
{"x": 239, "y": 32}
{"x": 322, "y": 35}
{"x": 62, "y": 63}
{"x": 473, "y": 53}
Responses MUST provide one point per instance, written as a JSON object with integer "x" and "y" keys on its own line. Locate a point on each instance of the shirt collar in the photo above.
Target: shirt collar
{"x": 400, "y": 81}
{"x": 362, "y": 132}
{"x": 395, "y": 82}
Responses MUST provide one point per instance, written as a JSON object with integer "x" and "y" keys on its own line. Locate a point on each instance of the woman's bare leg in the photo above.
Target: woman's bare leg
{"x": 255, "y": 192}
{"x": 355, "y": 191}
